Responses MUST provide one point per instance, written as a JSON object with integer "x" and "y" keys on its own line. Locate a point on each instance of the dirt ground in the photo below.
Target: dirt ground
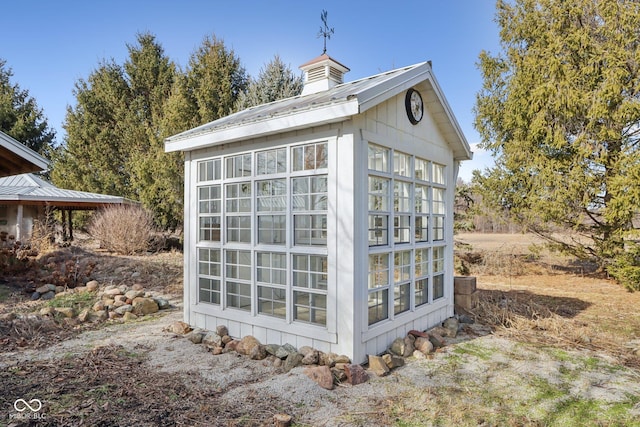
{"x": 552, "y": 345}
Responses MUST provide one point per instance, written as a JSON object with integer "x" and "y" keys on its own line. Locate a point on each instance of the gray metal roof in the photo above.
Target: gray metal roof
{"x": 336, "y": 104}
{"x": 31, "y": 189}
{"x": 17, "y": 158}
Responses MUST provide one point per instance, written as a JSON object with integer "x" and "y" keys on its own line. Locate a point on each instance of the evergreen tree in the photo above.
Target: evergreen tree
{"x": 20, "y": 116}
{"x": 275, "y": 81}
{"x": 560, "y": 108}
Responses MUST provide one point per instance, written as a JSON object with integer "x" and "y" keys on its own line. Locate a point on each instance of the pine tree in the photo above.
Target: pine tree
{"x": 560, "y": 108}
{"x": 20, "y": 116}
{"x": 275, "y": 81}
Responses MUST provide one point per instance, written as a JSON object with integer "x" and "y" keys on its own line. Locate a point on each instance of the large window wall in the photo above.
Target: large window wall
{"x": 406, "y": 224}
{"x": 262, "y": 232}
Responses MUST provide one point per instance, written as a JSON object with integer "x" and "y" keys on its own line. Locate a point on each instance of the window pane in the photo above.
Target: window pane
{"x": 378, "y": 306}
{"x": 422, "y": 291}
{"x": 402, "y": 229}
{"x": 272, "y": 301}
{"x": 378, "y": 158}
{"x": 438, "y": 286}
{"x": 422, "y": 169}
{"x": 438, "y": 174}
{"x": 378, "y": 270}
{"x": 310, "y": 230}
{"x": 378, "y": 230}
{"x": 209, "y": 290}
{"x": 239, "y": 295}
{"x": 401, "y": 298}
{"x": 401, "y": 164}
{"x": 402, "y": 197}
{"x": 310, "y": 308}
{"x": 378, "y": 194}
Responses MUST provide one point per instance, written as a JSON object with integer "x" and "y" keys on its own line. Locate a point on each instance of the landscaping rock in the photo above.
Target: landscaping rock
{"x": 311, "y": 358}
{"x": 418, "y": 334}
{"x": 397, "y": 347}
{"x": 222, "y": 330}
{"x": 246, "y": 345}
{"x": 163, "y": 304}
{"x": 84, "y": 315}
{"x": 393, "y": 361}
{"x": 98, "y": 306}
{"x": 134, "y": 294}
{"x": 356, "y": 374}
{"x": 409, "y": 345}
{"x": 257, "y": 353}
{"x": 292, "y": 361}
{"x": 113, "y": 292}
{"x": 144, "y": 306}
{"x": 195, "y": 337}
{"x": 436, "y": 340}
{"x": 128, "y": 316}
{"x": 35, "y": 296}
{"x": 285, "y": 350}
{"x": 47, "y": 295}
{"x": 126, "y": 308}
{"x": 451, "y": 325}
{"x": 92, "y": 285}
{"x": 378, "y": 366}
{"x": 46, "y": 288}
{"x": 180, "y": 328}
{"x": 423, "y": 345}
{"x": 211, "y": 339}
{"x": 321, "y": 375}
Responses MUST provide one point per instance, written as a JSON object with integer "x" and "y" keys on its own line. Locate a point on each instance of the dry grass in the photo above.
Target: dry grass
{"x": 545, "y": 298}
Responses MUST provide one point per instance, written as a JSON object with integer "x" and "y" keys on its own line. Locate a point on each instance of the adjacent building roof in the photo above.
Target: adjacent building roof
{"x": 29, "y": 189}
{"x": 16, "y": 158}
{"x": 334, "y": 105}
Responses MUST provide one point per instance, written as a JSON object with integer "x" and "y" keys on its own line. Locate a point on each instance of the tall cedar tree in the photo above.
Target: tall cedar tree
{"x": 560, "y": 109}
{"x": 275, "y": 81}
{"x": 20, "y": 116}
{"x": 115, "y": 133}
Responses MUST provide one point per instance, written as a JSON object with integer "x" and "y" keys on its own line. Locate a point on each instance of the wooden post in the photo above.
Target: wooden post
{"x": 64, "y": 224}
{"x": 70, "y": 212}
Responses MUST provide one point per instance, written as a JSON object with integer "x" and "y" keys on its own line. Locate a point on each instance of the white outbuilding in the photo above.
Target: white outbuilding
{"x": 326, "y": 219}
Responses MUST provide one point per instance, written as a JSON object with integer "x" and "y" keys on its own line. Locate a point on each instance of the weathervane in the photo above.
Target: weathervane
{"x": 325, "y": 31}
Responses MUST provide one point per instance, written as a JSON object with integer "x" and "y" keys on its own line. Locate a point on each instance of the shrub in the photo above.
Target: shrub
{"x": 124, "y": 229}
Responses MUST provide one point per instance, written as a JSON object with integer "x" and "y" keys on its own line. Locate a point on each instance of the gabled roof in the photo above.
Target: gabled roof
{"x": 31, "y": 190}
{"x": 334, "y": 105}
{"x": 16, "y": 158}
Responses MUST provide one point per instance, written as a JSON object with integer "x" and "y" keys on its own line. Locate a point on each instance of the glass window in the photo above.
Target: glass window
{"x": 438, "y": 286}
{"x": 309, "y": 156}
{"x": 272, "y": 195}
{"x": 271, "y": 161}
{"x": 421, "y": 264}
{"x": 271, "y": 268}
{"x": 402, "y": 164}
{"x": 378, "y": 230}
{"x": 238, "y": 197}
{"x": 209, "y": 272}
{"x": 310, "y": 230}
{"x": 209, "y": 207}
{"x": 209, "y": 290}
{"x": 310, "y": 308}
{"x": 272, "y": 301}
{"x": 402, "y": 229}
{"x": 310, "y": 271}
{"x": 421, "y": 199}
{"x": 309, "y": 193}
{"x": 238, "y": 166}
{"x": 378, "y": 270}
{"x": 402, "y": 197}
{"x": 209, "y": 170}
{"x": 238, "y": 264}
{"x": 239, "y": 295}
{"x": 402, "y": 266}
{"x": 422, "y": 228}
{"x": 422, "y": 291}
{"x": 378, "y": 158}
{"x": 239, "y": 229}
{"x": 209, "y": 262}
{"x": 272, "y": 229}
{"x": 438, "y": 201}
{"x": 378, "y": 193}
{"x": 422, "y": 169}
{"x": 378, "y": 306}
{"x": 401, "y": 298}
{"x": 438, "y": 174}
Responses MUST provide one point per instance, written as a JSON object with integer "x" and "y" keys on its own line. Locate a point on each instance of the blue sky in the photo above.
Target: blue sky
{"x": 49, "y": 45}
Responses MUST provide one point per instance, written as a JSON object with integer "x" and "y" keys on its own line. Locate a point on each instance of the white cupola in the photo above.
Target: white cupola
{"x": 322, "y": 73}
